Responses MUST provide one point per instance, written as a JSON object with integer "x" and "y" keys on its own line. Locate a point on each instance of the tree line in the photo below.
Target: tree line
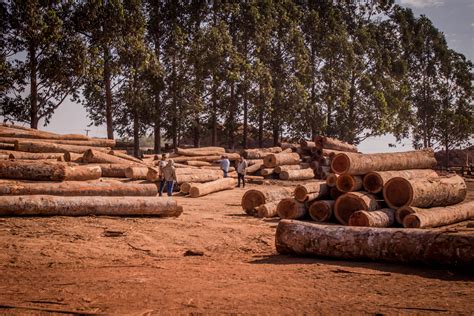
{"x": 235, "y": 71}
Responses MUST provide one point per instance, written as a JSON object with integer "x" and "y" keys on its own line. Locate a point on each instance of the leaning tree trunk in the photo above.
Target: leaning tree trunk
{"x": 49, "y": 205}
{"x": 425, "y": 192}
{"x": 351, "y": 202}
{"x": 379, "y": 218}
{"x": 375, "y": 180}
{"x": 360, "y": 164}
{"x": 108, "y": 94}
{"x": 414, "y": 217}
{"x": 384, "y": 244}
{"x": 200, "y": 189}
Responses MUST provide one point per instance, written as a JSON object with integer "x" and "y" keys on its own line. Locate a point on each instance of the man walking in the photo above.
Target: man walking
{"x": 169, "y": 175}
{"x": 241, "y": 171}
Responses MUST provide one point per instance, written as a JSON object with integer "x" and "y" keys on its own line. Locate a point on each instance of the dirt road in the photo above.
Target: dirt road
{"x": 212, "y": 259}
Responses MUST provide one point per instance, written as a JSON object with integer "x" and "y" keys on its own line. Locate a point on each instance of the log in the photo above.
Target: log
{"x": 182, "y": 159}
{"x": 289, "y": 146}
{"x": 311, "y": 191}
{"x": 95, "y": 156}
{"x": 273, "y": 160}
{"x": 279, "y": 169}
{"x": 384, "y": 244}
{"x": 37, "y": 134}
{"x": 43, "y": 147}
{"x": 348, "y": 183}
{"x": 425, "y": 192}
{"x": 69, "y": 156}
{"x": 256, "y": 197}
{"x": 435, "y": 216}
{"x": 267, "y": 210}
{"x": 34, "y": 156}
{"x": 290, "y": 208}
{"x": 49, "y": 205}
{"x": 185, "y": 187}
{"x": 117, "y": 153}
{"x": 7, "y": 146}
{"x": 260, "y": 153}
{"x": 201, "y": 189}
{"x": 255, "y": 167}
{"x": 4, "y": 157}
{"x": 332, "y": 143}
{"x": 87, "y": 143}
{"x": 321, "y": 211}
{"x": 197, "y": 178}
{"x": 136, "y": 173}
{"x": 384, "y": 217}
{"x": 251, "y": 162}
{"x": 78, "y": 188}
{"x": 375, "y": 180}
{"x": 216, "y": 168}
{"x": 306, "y": 144}
{"x": 113, "y": 170}
{"x": 335, "y": 193}
{"x": 198, "y": 163}
{"x": 302, "y": 174}
{"x": 267, "y": 171}
{"x": 331, "y": 179}
{"x": 203, "y": 151}
{"x": 360, "y": 164}
{"x": 351, "y": 202}
{"x": 46, "y": 171}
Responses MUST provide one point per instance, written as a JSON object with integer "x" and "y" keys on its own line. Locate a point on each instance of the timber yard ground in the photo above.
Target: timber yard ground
{"x": 138, "y": 266}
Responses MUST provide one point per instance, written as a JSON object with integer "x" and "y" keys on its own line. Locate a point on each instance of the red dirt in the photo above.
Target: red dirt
{"x": 74, "y": 264}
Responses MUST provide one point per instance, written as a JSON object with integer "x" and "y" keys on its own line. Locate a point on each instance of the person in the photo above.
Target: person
{"x": 162, "y": 164}
{"x": 241, "y": 171}
{"x": 224, "y": 164}
{"x": 169, "y": 175}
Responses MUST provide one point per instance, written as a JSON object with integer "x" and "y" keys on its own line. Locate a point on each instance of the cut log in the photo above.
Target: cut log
{"x": 375, "y": 180}
{"x": 311, "y": 191}
{"x": 7, "y": 146}
{"x": 216, "y": 168}
{"x": 267, "y": 210}
{"x": 201, "y": 189}
{"x": 321, "y": 211}
{"x": 289, "y": 146}
{"x": 183, "y": 159}
{"x": 384, "y": 244}
{"x": 256, "y": 197}
{"x": 43, "y": 147}
{"x": 348, "y": 183}
{"x": 198, "y": 163}
{"x": 307, "y": 144}
{"x": 302, "y": 174}
{"x": 45, "y": 171}
{"x": 37, "y": 134}
{"x": 428, "y": 192}
{"x": 185, "y": 187}
{"x": 384, "y": 217}
{"x": 331, "y": 180}
{"x": 34, "y": 156}
{"x": 198, "y": 177}
{"x": 279, "y": 169}
{"x": 136, "y": 173}
{"x": 78, "y": 188}
{"x": 351, "y": 202}
{"x": 255, "y": 167}
{"x": 290, "y": 208}
{"x": 49, "y": 205}
{"x": 73, "y": 157}
{"x": 414, "y": 217}
{"x": 4, "y": 157}
{"x": 260, "y": 153}
{"x": 203, "y": 151}
{"x": 112, "y": 170}
{"x": 251, "y": 162}
{"x": 87, "y": 143}
{"x": 273, "y": 160}
{"x": 332, "y": 143}
{"x": 267, "y": 171}
{"x": 95, "y": 156}
{"x": 360, "y": 164}
{"x": 335, "y": 193}
{"x": 125, "y": 156}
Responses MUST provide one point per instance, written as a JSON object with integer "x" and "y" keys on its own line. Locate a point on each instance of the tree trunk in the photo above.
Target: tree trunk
{"x": 311, "y": 191}
{"x": 379, "y": 218}
{"x": 360, "y": 164}
{"x": 321, "y": 211}
{"x": 157, "y": 133}
{"x": 246, "y": 127}
{"x": 276, "y": 133}
{"x": 349, "y": 203}
{"x": 267, "y": 210}
{"x": 231, "y": 121}
{"x": 47, "y": 205}
{"x": 108, "y": 94}
{"x": 273, "y": 160}
{"x": 260, "y": 119}
{"x": 347, "y": 183}
{"x": 94, "y": 156}
{"x": 256, "y": 197}
{"x": 15, "y": 132}
{"x": 425, "y": 192}
{"x": 385, "y": 244}
{"x": 413, "y": 217}
{"x": 136, "y": 135}
{"x": 43, "y": 147}
{"x": 78, "y": 188}
{"x": 201, "y": 189}
{"x": 290, "y": 208}
{"x": 302, "y": 174}
{"x": 197, "y": 133}
{"x": 374, "y": 181}
{"x": 44, "y": 171}
{"x": 33, "y": 63}
{"x": 136, "y": 173}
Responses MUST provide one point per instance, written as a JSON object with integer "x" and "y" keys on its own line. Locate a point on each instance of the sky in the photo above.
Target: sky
{"x": 455, "y": 18}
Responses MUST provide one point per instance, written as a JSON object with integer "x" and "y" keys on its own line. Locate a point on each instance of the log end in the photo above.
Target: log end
{"x": 287, "y": 208}
{"x": 345, "y": 183}
{"x": 411, "y": 221}
{"x": 346, "y": 205}
{"x": 373, "y": 182}
{"x": 402, "y": 212}
{"x": 320, "y": 211}
{"x": 398, "y": 192}
{"x": 251, "y": 199}
{"x": 359, "y": 218}
{"x": 340, "y": 163}
{"x": 301, "y": 193}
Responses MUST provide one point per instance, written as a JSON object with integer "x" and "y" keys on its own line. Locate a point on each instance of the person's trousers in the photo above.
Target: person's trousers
{"x": 239, "y": 177}
{"x": 225, "y": 173}
{"x": 162, "y": 186}
{"x": 169, "y": 187}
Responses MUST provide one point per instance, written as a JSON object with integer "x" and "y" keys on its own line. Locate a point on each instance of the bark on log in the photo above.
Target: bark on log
{"x": 125, "y": 156}
{"x": 414, "y": 217}
{"x": 321, "y": 211}
{"x": 267, "y": 171}
{"x": 267, "y": 210}
{"x": 7, "y": 146}
{"x": 37, "y": 134}
{"x": 46, "y": 171}
{"x": 73, "y": 157}
{"x": 348, "y": 183}
{"x": 311, "y": 191}
{"x": 256, "y": 197}
{"x": 384, "y": 244}
{"x": 185, "y": 187}
{"x": 198, "y": 163}
{"x": 302, "y": 174}
{"x": 384, "y": 217}
{"x": 351, "y": 202}
{"x": 252, "y": 162}
{"x": 279, "y": 169}
{"x": 112, "y": 170}
{"x": 216, "y": 168}
{"x": 43, "y": 147}
{"x": 273, "y": 160}
{"x": 198, "y": 177}
{"x": 136, "y": 173}
{"x": 290, "y": 208}
{"x": 307, "y": 144}
{"x": 48, "y": 205}
{"x": 34, "y": 156}
{"x": 201, "y": 189}
{"x": 375, "y": 180}
{"x": 87, "y": 143}
{"x": 204, "y": 151}
{"x": 4, "y": 157}
{"x": 95, "y": 156}
{"x": 331, "y": 180}
{"x": 255, "y": 167}
{"x": 260, "y": 153}
{"x": 425, "y": 192}
{"x": 332, "y": 143}
{"x": 182, "y": 159}
{"x": 360, "y": 164}
{"x": 78, "y": 188}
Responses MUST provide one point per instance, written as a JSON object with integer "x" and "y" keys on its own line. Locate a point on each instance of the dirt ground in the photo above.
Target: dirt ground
{"x": 145, "y": 266}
